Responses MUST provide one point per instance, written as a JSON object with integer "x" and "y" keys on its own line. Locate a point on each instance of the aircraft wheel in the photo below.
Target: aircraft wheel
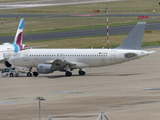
{"x": 68, "y": 73}
{"x": 82, "y": 72}
{"x": 11, "y": 75}
{"x": 35, "y": 74}
{"x": 29, "y": 74}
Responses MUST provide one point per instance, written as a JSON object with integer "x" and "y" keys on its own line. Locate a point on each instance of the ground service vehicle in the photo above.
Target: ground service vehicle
{"x": 11, "y": 72}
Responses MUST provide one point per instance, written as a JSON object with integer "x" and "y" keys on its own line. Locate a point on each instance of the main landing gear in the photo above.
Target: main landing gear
{"x": 68, "y": 71}
{"x": 81, "y": 72}
{"x": 29, "y": 74}
{"x": 35, "y": 74}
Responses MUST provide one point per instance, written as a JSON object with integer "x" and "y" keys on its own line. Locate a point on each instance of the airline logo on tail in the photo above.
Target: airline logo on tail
{"x": 17, "y": 44}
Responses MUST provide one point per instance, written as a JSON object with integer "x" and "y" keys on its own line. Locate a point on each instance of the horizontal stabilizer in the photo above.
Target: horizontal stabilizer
{"x": 150, "y": 52}
{"x": 36, "y": 46}
{"x": 134, "y": 40}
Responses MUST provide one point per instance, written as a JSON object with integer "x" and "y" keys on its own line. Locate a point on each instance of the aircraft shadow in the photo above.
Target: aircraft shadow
{"x": 112, "y": 74}
{"x": 95, "y": 74}
{"x": 85, "y": 116}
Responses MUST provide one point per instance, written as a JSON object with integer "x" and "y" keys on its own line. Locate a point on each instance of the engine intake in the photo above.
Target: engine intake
{"x": 45, "y": 68}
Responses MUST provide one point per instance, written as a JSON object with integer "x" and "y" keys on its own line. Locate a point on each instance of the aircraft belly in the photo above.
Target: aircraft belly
{"x": 95, "y": 62}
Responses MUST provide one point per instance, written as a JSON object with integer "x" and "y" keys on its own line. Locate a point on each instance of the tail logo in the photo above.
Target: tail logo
{"x": 17, "y": 44}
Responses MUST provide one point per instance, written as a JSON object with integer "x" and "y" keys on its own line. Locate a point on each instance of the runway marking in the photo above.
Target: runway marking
{"x": 85, "y": 15}
{"x": 64, "y": 92}
{"x": 8, "y": 101}
{"x": 152, "y": 88}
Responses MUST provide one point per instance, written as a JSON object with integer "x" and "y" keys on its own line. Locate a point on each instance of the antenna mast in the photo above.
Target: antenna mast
{"x": 107, "y": 29}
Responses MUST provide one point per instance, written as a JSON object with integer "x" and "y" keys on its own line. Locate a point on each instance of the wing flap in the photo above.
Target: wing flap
{"x": 58, "y": 61}
{"x": 62, "y": 63}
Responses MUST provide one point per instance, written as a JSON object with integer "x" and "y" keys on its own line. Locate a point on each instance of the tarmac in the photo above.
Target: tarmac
{"x": 128, "y": 91}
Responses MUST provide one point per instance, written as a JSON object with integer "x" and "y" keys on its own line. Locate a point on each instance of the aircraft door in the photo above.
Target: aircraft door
{"x": 113, "y": 56}
{"x": 26, "y": 56}
{"x": 60, "y": 56}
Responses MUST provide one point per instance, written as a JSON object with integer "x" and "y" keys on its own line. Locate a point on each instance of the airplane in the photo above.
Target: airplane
{"x": 11, "y": 49}
{"x": 65, "y": 60}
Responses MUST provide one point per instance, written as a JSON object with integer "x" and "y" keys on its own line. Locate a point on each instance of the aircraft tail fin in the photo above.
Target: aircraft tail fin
{"x": 19, "y": 37}
{"x": 134, "y": 39}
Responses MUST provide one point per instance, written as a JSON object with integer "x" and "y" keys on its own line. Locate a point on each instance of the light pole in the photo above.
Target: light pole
{"x": 39, "y": 99}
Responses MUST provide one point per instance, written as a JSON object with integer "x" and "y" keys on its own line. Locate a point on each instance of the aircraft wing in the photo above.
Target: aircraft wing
{"x": 60, "y": 63}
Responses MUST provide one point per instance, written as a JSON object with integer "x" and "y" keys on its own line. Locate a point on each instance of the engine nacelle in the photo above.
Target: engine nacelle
{"x": 45, "y": 68}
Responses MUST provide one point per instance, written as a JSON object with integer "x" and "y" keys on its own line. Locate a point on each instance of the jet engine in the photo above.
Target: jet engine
{"x": 7, "y": 64}
{"x": 45, "y": 68}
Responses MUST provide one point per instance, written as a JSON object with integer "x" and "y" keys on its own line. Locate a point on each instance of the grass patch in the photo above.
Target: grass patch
{"x": 49, "y": 23}
{"x": 120, "y": 7}
{"x": 7, "y": 1}
{"x": 149, "y": 44}
{"x": 149, "y": 39}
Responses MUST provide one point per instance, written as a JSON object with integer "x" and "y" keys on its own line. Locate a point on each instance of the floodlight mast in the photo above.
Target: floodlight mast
{"x": 107, "y": 29}
{"x": 39, "y": 99}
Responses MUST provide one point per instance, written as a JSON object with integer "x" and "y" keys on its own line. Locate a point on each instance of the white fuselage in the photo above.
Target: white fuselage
{"x": 6, "y": 48}
{"x": 90, "y": 57}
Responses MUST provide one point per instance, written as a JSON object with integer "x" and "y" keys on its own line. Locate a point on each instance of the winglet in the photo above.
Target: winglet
{"x": 19, "y": 37}
{"x": 134, "y": 39}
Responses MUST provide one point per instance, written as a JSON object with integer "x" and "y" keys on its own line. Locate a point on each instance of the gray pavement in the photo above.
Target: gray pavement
{"x": 128, "y": 91}
{"x": 80, "y": 33}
